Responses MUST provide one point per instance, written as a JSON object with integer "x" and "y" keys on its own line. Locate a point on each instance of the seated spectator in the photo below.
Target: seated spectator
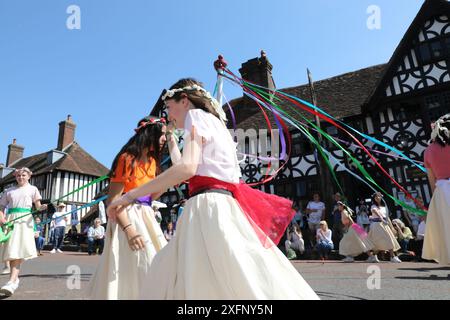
{"x": 96, "y": 238}
{"x": 294, "y": 241}
{"x": 417, "y": 244}
{"x": 38, "y": 238}
{"x": 73, "y": 236}
{"x": 404, "y": 235}
{"x": 324, "y": 242}
{"x": 169, "y": 233}
{"x": 421, "y": 229}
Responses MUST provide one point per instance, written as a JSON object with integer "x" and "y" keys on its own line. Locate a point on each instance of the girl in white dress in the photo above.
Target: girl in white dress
{"x": 381, "y": 233}
{"x": 21, "y": 245}
{"x": 121, "y": 271}
{"x": 354, "y": 242}
{"x": 223, "y": 248}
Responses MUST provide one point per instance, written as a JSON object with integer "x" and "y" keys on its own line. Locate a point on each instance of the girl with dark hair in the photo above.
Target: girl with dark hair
{"x": 226, "y": 241}
{"x": 381, "y": 234}
{"x": 354, "y": 242}
{"x": 121, "y": 269}
{"x": 437, "y": 158}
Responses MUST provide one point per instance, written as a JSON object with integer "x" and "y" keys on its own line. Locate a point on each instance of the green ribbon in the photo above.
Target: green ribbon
{"x": 65, "y": 196}
{"x": 6, "y": 232}
{"x": 19, "y": 210}
{"x": 332, "y": 140}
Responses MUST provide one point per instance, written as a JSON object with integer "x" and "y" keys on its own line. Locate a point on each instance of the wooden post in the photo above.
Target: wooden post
{"x": 326, "y": 184}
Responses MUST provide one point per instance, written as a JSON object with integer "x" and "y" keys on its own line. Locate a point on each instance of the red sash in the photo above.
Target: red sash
{"x": 268, "y": 214}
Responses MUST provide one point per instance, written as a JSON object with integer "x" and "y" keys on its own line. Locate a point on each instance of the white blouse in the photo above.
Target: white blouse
{"x": 219, "y": 159}
{"x": 381, "y": 210}
{"x": 20, "y": 197}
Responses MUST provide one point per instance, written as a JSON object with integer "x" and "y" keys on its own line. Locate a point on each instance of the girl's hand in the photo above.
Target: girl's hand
{"x": 117, "y": 206}
{"x": 135, "y": 240}
{"x": 2, "y": 220}
{"x": 43, "y": 207}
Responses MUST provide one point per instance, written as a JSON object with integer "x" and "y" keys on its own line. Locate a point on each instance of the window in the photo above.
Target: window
{"x": 437, "y": 105}
{"x": 424, "y": 53}
{"x": 358, "y": 125}
{"x": 333, "y": 132}
{"x": 433, "y": 51}
{"x": 300, "y": 145}
{"x": 284, "y": 190}
{"x": 447, "y": 44}
{"x": 437, "y": 51}
{"x": 406, "y": 111}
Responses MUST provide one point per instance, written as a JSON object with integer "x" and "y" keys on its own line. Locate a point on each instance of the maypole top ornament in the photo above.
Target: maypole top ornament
{"x": 220, "y": 64}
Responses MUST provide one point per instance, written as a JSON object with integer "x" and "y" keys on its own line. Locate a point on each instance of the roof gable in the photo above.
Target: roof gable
{"x": 430, "y": 9}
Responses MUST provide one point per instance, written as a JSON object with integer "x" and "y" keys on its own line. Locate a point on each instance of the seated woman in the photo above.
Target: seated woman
{"x": 324, "y": 242}
{"x": 404, "y": 235}
{"x": 294, "y": 241}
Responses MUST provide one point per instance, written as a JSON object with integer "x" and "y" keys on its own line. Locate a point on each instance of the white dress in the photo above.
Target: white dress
{"x": 436, "y": 245}
{"x": 216, "y": 254}
{"x": 381, "y": 235}
{"x": 21, "y": 244}
{"x": 355, "y": 240}
{"x": 120, "y": 272}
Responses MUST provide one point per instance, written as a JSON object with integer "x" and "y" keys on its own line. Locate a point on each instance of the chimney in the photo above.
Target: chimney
{"x": 66, "y": 133}
{"x": 15, "y": 152}
{"x": 258, "y": 71}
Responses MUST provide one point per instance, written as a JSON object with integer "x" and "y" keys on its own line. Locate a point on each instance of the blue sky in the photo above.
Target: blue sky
{"x": 109, "y": 73}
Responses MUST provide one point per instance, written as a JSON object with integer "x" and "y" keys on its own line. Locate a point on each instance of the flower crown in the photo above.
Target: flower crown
{"x": 439, "y": 131}
{"x": 148, "y": 122}
{"x": 195, "y": 87}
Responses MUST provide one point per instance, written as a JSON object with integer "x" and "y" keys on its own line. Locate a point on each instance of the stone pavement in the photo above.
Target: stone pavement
{"x": 47, "y": 278}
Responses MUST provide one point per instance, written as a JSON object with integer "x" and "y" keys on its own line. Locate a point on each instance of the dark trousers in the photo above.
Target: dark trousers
{"x": 404, "y": 245}
{"x": 93, "y": 244}
{"x": 59, "y": 237}
{"x": 338, "y": 233}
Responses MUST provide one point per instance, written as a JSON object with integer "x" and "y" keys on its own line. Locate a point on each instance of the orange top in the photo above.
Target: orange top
{"x": 142, "y": 173}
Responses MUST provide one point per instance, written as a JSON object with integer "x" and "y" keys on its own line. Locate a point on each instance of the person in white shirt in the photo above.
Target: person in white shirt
{"x": 102, "y": 212}
{"x": 96, "y": 238}
{"x": 381, "y": 232}
{"x": 324, "y": 242}
{"x": 59, "y": 223}
{"x": 411, "y": 218}
{"x": 421, "y": 229}
{"x": 316, "y": 212}
{"x": 170, "y": 232}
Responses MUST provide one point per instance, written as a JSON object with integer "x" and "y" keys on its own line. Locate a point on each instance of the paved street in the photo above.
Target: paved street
{"x": 46, "y": 278}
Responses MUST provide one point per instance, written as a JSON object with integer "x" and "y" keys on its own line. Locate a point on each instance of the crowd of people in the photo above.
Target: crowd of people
{"x": 348, "y": 233}
{"x": 221, "y": 243}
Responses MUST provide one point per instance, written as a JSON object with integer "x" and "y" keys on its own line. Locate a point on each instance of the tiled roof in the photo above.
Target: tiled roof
{"x": 341, "y": 96}
{"x": 76, "y": 160}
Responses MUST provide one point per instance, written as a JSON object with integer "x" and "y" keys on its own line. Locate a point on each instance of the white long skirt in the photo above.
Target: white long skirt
{"x": 216, "y": 254}
{"x": 21, "y": 244}
{"x": 436, "y": 244}
{"x": 382, "y": 238}
{"x": 353, "y": 245}
{"x": 120, "y": 273}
